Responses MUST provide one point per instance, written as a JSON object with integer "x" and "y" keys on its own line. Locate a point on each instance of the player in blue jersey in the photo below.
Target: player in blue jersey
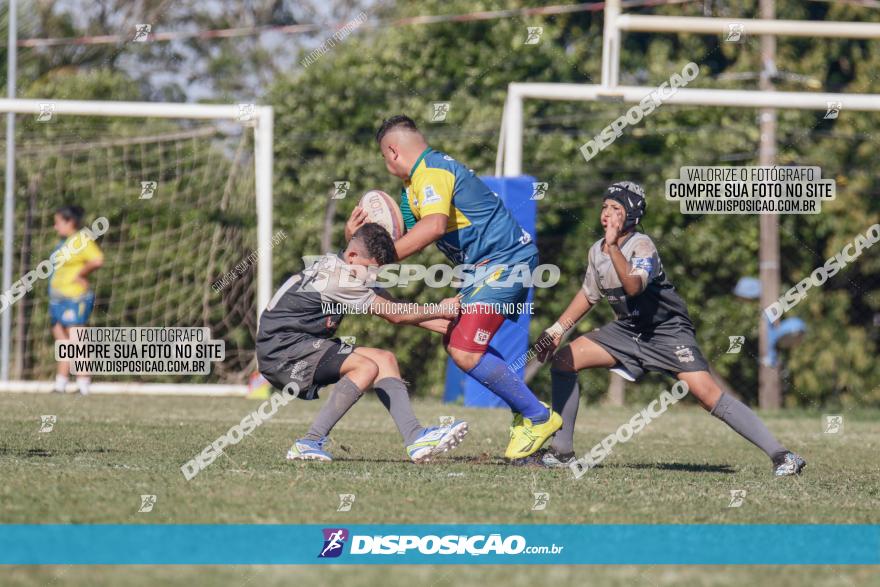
{"x": 444, "y": 202}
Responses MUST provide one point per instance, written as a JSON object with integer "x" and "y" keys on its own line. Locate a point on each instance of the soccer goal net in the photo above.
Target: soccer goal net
{"x": 182, "y": 245}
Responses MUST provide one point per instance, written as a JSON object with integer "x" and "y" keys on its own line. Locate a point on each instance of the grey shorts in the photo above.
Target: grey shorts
{"x": 310, "y": 365}
{"x": 670, "y": 351}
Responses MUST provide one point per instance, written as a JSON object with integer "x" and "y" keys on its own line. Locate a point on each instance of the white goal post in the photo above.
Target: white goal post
{"x": 261, "y": 118}
{"x": 509, "y": 159}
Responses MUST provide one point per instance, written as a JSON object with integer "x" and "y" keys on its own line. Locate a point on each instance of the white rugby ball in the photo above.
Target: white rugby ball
{"x": 384, "y": 211}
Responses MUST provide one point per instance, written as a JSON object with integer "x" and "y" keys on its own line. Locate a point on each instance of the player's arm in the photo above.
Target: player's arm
{"x": 550, "y": 338}
{"x": 440, "y": 325}
{"x": 633, "y": 281}
{"x": 426, "y": 231}
{"x": 400, "y": 312}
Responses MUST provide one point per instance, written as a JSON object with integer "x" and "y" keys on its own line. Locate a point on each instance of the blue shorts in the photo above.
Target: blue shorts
{"x": 504, "y": 288}
{"x": 71, "y": 311}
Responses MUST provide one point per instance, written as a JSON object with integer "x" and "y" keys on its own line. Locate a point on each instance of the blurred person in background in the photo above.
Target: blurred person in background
{"x": 70, "y": 298}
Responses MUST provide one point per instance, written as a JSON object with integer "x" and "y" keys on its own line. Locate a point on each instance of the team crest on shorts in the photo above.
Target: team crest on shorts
{"x": 298, "y": 371}
{"x": 481, "y": 336}
{"x": 684, "y": 354}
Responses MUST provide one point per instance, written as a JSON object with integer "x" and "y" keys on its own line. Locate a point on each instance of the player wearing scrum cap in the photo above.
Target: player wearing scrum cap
{"x": 652, "y": 332}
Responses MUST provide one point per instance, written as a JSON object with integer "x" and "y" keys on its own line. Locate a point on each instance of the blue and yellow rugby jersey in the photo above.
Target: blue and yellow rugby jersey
{"x": 480, "y": 229}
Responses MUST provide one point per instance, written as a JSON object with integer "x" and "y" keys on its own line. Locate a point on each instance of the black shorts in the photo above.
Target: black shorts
{"x": 670, "y": 350}
{"x": 309, "y": 365}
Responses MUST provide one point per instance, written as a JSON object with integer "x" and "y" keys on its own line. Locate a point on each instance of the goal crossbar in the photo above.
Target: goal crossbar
{"x": 509, "y": 158}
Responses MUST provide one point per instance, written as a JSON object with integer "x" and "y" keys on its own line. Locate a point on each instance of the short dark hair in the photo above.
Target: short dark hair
{"x": 71, "y": 212}
{"x": 377, "y": 241}
{"x": 398, "y": 120}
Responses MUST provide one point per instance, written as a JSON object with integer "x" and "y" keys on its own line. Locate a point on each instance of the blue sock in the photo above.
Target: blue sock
{"x": 492, "y": 372}
{"x": 494, "y": 353}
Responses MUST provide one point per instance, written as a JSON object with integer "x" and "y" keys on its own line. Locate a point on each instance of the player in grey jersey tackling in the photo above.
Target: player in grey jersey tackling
{"x": 297, "y": 353}
{"x": 652, "y": 332}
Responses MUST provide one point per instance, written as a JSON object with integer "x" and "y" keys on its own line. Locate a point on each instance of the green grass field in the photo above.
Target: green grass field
{"x": 105, "y": 451}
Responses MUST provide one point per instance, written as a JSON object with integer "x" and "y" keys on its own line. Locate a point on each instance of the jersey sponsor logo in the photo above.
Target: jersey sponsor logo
{"x": 481, "y": 336}
{"x": 431, "y": 197}
{"x": 646, "y": 263}
{"x": 684, "y": 354}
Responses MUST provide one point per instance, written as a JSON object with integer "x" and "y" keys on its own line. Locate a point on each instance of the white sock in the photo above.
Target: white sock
{"x": 83, "y": 384}
{"x": 60, "y": 383}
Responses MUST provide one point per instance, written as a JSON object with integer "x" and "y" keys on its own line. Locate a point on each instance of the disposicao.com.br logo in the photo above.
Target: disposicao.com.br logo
{"x": 334, "y": 540}
{"x": 431, "y": 544}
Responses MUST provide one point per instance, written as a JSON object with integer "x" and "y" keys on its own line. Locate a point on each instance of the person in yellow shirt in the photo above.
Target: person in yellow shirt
{"x": 70, "y": 298}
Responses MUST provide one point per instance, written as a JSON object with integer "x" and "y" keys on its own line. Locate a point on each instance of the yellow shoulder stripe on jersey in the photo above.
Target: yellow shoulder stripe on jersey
{"x": 432, "y": 193}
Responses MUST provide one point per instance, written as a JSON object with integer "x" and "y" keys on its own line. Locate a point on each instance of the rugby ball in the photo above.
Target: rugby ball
{"x": 384, "y": 211}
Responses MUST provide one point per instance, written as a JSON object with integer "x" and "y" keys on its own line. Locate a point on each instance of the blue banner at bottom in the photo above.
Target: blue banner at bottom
{"x": 629, "y": 544}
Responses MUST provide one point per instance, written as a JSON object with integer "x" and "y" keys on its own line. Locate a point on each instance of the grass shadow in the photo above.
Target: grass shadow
{"x": 686, "y": 467}
{"x": 43, "y": 452}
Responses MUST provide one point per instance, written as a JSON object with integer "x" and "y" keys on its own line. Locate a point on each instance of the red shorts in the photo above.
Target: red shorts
{"x": 473, "y": 329}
